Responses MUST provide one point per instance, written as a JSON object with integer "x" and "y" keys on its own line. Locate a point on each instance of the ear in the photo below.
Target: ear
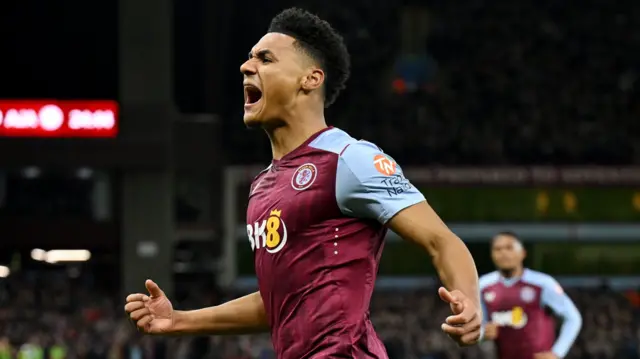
{"x": 313, "y": 80}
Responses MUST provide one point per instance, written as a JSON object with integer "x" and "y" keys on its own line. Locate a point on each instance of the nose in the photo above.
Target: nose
{"x": 248, "y": 68}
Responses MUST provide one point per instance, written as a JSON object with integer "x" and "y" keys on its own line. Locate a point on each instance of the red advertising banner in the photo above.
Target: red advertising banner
{"x": 58, "y": 119}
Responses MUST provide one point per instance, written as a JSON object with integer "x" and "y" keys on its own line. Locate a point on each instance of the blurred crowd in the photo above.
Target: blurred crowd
{"x": 47, "y": 315}
{"x": 488, "y": 82}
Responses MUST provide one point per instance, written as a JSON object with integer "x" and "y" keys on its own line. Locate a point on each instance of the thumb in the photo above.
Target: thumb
{"x": 153, "y": 289}
{"x": 446, "y": 296}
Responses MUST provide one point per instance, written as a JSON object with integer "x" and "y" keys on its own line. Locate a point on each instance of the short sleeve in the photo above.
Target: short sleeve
{"x": 370, "y": 184}
{"x": 554, "y": 297}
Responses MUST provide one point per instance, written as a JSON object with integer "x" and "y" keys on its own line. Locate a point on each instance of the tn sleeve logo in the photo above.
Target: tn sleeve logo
{"x": 385, "y": 165}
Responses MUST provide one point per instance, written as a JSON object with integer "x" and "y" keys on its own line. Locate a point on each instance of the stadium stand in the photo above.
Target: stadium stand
{"x": 488, "y": 83}
{"x": 524, "y": 82}
{"x": 51, "y": 312}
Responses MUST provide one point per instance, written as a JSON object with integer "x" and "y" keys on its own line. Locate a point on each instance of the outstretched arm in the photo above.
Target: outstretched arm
{"x": 245, "y": 315}
{"x": 370, "y": 184}
{"x": 457, "y": 270}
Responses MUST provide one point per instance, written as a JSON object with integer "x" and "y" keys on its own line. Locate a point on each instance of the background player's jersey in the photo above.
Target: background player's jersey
{"x": 315, "y": 222}
{"x": 524, "y": 310}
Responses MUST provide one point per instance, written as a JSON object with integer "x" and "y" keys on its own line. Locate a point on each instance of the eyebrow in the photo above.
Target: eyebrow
{"x": 261, "y": 54}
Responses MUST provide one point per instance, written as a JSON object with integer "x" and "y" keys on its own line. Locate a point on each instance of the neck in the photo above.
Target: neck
{"x": 295, "y": 131}
{"x": 512, "y": 273}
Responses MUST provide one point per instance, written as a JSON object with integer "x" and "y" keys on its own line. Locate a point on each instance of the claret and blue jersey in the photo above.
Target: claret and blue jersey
{"x": 524, "y": 309}
{"x": 316, "y": 223}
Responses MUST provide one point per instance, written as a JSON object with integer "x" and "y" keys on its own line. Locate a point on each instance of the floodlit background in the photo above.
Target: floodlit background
{"x": 509, "y": 115}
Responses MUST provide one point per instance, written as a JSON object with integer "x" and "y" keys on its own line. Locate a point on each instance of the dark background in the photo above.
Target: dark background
{"x": 437, "y": 84}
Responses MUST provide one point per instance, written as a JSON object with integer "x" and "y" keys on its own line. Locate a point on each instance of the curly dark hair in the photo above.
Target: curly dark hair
{"x": 321, "y": 42}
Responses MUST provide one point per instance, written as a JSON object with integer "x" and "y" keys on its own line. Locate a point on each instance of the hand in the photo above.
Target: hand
{"x": 464, "y": 326}
{"x": 545, "y": 355}
{"x": 153, "y": 313}
{"x": 490, "y": 331}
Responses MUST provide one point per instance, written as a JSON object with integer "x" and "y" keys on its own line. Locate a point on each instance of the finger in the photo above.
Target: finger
{"x": 458, "y": 319}
{"x": 153, "y": 289}
{"x": 144, "y": 322}
{"x": 452, "y": 330}
{"x": 139, "y": 314}
{"x": 136, "y": 297}
{"x": 460, "y": 330}
{"x": 471, "y": 338}
{"x": 463, "y": 318}
{"x": 133, "y": 306}
{"x": 447, "y": 296}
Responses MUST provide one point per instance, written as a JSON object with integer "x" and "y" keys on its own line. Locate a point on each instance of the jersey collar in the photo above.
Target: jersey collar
{"x": 300, "y": 148}
{"x": 508, "y": 282}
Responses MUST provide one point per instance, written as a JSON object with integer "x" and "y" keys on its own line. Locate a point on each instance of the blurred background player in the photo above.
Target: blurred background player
{"x": 520, "y": 306}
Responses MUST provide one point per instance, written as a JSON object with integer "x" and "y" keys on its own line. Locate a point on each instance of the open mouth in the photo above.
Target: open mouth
{"x": 252, "y": 94}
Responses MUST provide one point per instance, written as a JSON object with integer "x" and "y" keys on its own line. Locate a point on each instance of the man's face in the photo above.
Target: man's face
{"x": 272, "y": 79}
{"x": 507, "y": 252}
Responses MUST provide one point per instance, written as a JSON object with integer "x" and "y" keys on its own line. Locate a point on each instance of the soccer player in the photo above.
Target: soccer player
{"x": 317, "y": 216}
{"x": 520, "y": 304}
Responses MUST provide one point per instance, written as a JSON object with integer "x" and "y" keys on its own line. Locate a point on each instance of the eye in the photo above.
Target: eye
{"x": 266, "y": 60}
